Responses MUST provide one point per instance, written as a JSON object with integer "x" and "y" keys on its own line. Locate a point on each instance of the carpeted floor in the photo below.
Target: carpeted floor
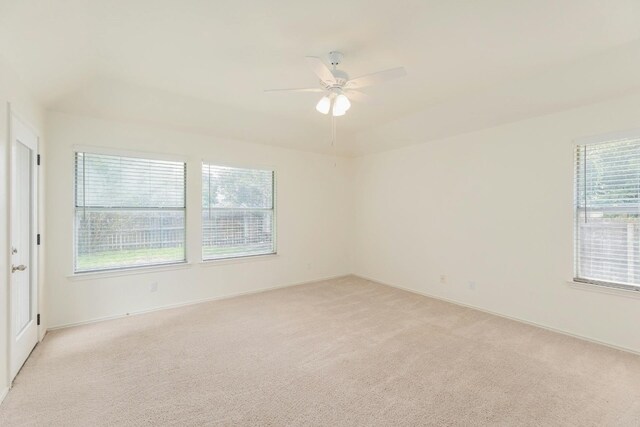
{"x": 339, "y": 352}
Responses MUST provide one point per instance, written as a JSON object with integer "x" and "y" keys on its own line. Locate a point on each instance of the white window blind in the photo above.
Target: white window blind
{"x": 129, "y": 212}
{"x": 237, "y": 212}
{"x": 607, "y": 214}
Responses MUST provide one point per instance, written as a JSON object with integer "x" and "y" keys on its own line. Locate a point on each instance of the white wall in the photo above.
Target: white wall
{"x": 314, "y": 221}
{"x": 11, "y": 91}
{"x": 493, "y": 207}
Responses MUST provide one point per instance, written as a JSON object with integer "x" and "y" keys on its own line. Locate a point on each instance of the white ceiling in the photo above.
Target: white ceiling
{"x": 202, "y": 65}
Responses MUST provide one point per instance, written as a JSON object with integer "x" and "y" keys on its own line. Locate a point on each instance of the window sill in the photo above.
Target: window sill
{"x": 238, "y": 260}
{"x": 91, "y": 275}
{"x": 603, "y": 289}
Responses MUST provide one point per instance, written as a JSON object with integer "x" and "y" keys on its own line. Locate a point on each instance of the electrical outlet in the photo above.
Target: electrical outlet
{"x": 472, "y": 285}
{"x": 153, "y": 287}
{"x": 443, "y": 279}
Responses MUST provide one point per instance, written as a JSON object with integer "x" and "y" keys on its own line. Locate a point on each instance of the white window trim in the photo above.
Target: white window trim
{"x": 240, "y": 165}
{"x": 129, "y": 271}
{"x": 242, "y": 258}
{"x": 606, "y": 137}
{"x": 238, "y": 259}
{"x": 612, "y": 288}
{"x": 134, "y": 269}
{"x": 108, "y": 151}
{"x": 604, "y": 289}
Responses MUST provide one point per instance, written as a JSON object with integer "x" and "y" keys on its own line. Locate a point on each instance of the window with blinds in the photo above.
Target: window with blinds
{"x": 607, "y": 213}
{"x": 237, "y": 212}
{"x": 129, "y": 212}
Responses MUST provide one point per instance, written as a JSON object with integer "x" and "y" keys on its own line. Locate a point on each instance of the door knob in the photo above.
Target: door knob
{"x": 20, "y": 267}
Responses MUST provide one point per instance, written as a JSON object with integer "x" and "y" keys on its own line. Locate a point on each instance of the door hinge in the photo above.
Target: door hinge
{"x": 38, "y": 159}
{"x": 38, "y": 319}
{"x": 38, "y": 239}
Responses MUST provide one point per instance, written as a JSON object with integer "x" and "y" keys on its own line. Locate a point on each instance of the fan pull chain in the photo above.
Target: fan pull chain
{"x": 333, "y": 138}
{"x": 333, "y": 131}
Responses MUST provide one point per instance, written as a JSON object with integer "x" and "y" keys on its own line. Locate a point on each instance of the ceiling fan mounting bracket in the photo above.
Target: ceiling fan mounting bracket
{"x": 335, "y": 58}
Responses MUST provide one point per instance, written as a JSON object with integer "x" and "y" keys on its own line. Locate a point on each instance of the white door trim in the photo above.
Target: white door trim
{"x": 34, "y": 260}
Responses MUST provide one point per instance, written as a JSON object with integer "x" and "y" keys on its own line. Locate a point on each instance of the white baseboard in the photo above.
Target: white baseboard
{"x": 221, "y": 297}
{"x": 183, "y": 304}
{"x": 528, "y": 322}
{"x": 3, "y": 394}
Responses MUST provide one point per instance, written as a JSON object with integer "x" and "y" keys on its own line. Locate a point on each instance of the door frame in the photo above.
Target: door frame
{"x": 35, "y": 229}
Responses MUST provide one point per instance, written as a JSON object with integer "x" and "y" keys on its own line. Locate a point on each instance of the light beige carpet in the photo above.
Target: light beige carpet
{"x": 340, "y": 352}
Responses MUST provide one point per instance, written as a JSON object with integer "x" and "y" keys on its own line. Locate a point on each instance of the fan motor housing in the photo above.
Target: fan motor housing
{"x": 340, "y": 76}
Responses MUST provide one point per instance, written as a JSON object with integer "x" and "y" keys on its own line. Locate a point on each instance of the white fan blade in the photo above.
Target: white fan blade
{"x": 306, "y": 89}
{"x": 321, "y": 70}
{"x": 357, "y": 96}
{"x": 376, "y": 78}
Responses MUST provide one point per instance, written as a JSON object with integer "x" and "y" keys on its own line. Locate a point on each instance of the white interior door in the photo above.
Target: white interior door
{"x": 24, "y": 261}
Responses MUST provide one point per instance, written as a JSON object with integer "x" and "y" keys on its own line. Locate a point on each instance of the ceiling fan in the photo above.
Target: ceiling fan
{"x": 337, "y": 85}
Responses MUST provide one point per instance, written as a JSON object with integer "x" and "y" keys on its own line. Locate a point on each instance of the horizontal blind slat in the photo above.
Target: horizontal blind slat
{"x": 238, "y": 212}
{"x": 129, "y": 212}
{"x": 607, "y": 215}
{"x": 115, "y": 181}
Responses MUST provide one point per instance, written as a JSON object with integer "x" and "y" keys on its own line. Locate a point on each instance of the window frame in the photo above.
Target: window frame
{"x": 274, "y": 209}
{"x": 132, "y": 154}
{"x": 611, "y": 137}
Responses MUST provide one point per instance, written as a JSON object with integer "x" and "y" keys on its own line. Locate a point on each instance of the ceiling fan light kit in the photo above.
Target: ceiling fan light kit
{"x": 340, "y": 104}
{"x": 324, "y": 105}
{"x": 339, "y": 89}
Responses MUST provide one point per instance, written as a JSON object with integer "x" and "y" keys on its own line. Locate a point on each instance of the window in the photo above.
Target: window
{"x": 237, "y": 212}
{"x": 607, "y": 213}
{"x": 129, "y": 212}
